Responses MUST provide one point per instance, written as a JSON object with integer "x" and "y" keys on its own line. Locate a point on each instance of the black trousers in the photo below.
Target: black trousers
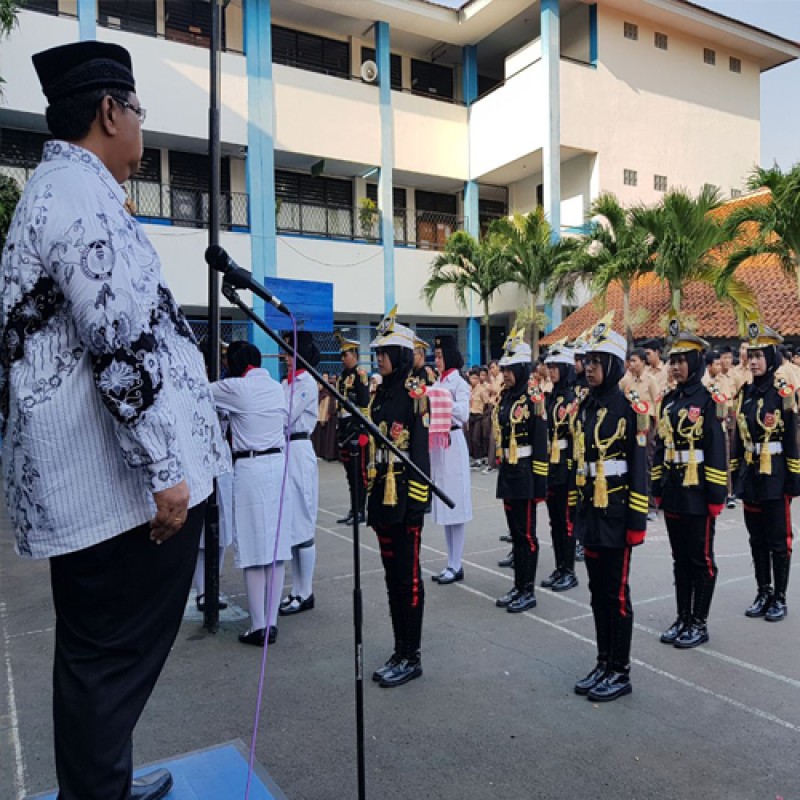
{"x": 561, "y": 527}
{"x": 355, "y": 478}
{"x": 608, "y": 570}
{"x": 400, "y": 546}
{"x": 118, "y": 608}
{"x": 691, "y": 537}
{"x": 769, "y": 524}
{"x": 521, "y": 518}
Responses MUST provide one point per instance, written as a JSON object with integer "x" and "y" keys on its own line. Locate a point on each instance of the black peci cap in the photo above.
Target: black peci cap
{"x": 82, "y": 66}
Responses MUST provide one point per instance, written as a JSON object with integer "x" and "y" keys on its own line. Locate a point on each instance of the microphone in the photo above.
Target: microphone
{"x": 217, "y": 258}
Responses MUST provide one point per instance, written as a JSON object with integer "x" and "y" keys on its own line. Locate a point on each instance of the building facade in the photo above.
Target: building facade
{"x": 357, "y": 177}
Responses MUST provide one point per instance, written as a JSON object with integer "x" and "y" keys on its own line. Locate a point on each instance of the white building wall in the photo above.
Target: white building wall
{"x": 661, "y": 112}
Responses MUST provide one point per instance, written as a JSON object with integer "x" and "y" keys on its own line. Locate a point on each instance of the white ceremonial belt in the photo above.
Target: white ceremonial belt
{"x": 774, "y": 447}
{"x": 561, "y": 444}
{"x": 386, "y": 457}
{"x": 612, "y": 467}
{"x": 345, "y": 414}
{"x": 522, "y": 452}
{"x": 682, "y": 457}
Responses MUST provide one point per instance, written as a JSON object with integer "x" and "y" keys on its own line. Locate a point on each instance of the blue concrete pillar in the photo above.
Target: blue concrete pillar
{"x": 386, "y": 180}
{"x": 551, "y": 157}
{"x": 87, "y": 20}
{"x": 470, "y": 74}
{"x": 474, "y": 354}
{"x": 593, "y": 34}
{"x": 261, "y": 155}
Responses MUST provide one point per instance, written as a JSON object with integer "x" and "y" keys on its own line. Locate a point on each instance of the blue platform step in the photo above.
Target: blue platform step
{"x": 217, "y": 773}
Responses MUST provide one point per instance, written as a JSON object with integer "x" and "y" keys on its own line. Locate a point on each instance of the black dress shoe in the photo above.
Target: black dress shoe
{"x": 566, "y": 581}
{"x": 407, "y": 669}
{"x": 393, "y": 661}
{"x": 508, "y": 561}
{"x": 777, "y": 610}
{"x": 584, "y": 685}
{"x": 201, "y": 603}
{"x": 525, "y": 600}
{"x": 760, "y": 605}
{"x": 297, "y": 605}
{"x": 451, "y": 576}
{"x": 506, "y": 537}
{"x": 504, "y": 601}
{"x": 348, "y": 520}
{"x": 613, "y": 685}
{"x": 273, "y": 634}
{"x": 692, "y": 636}
{"x": 152, "y": 786}
{"x": 548, "y": 582}
{"x": 287, "y": 601}
{"x": 256, "y": 638}
{"x": 674, "y": 631}
{"x": 362, "y": 518}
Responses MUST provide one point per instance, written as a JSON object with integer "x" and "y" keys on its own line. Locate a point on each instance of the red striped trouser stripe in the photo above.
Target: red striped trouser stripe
{"x": 415, "y": 581}
{"x": 626, "y": 564}
{"x": 707, "y": 547}
{"x": 528, "y": 528}
{"x": 788, "y": 512}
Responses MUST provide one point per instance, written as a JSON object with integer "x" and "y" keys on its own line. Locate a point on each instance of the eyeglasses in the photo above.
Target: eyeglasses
{"x": 140, "y": 112}
{"x": 594, "y": 361}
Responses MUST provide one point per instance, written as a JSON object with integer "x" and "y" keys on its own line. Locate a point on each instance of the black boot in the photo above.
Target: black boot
{"x": 505, "y": 600}
{"x": 672, "y": 633}
{"x": 346, "y": 520}
{"x": 508, "y": 561}
{"x": 567, "y": 580}
{"x": 525, "y": 600}
{"x": 616, "y": 683}
{"x": 548, "y": 582}
{"x": 777, "y": 609}
{"x": 693, "y": 635}
{"x": 393, "y": 661}
{"x": 697, "y": 633}
{"x": 585, "y": 685}
{"x": 683, "y": 599}
{"x": 407, "y": 669}
{"x": 761, "y": 566}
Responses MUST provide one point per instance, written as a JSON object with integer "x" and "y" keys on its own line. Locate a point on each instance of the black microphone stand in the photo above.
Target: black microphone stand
{"x": 355, "y": 450}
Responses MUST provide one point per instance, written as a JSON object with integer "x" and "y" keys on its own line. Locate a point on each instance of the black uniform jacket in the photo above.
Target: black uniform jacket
{"x": 762, "y": 419}
{"x": 689, "y": 414}
{"x": 610, "y": 418}
{"x": 393, "y": 411}
{"x": 425, "y": 374}
{"x": 521, "y": 418}
{"x": 354, "y": 385}
{"x": 560, "y": 408}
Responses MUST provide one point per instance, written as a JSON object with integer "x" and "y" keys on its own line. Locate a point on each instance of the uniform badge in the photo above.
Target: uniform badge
{"x": 562, "y": 412}
{"x": 641, "y": 439}
{"x": 694, "y": 413}
{"x": 397, "y": 430}
{"x": 769, "y": 420}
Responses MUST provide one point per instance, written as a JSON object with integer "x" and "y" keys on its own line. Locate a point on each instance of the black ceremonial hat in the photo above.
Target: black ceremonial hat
{"x": 82, "y": 66}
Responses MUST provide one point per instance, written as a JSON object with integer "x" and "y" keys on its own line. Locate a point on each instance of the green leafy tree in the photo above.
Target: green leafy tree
{"x": 688, "y": 240}
{"x": 533, "y": 257}
{"x": 9, "y": 197}
{"x": 775, "y": 223}
{"x": 8, "y": 19}
{"x": 615, "y": 250}
{"x": 467, "y": 266}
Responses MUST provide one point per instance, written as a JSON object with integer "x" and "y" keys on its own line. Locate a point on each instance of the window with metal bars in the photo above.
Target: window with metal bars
{"x": 630, "y": 31}
{"x": 661, "y": 41}
{"x": 735, "y": 64}
{"x": 709, "y": 56}
{"x": 310, "y": 52}
{"x": 193, "y": 171}
{"x": 660, "y": 183}
{"x": 435, "y": 202}
{"x": 44, "y": 6}
{"x": 398, "y": 196}
{"x": 395, "y": 61}
{"x": 138, "y": 16}
{"x": 630, "y": 177}
{"x": 189, "y": 21}
{"x": 431, "y": 79}
{"x": 150, "y": 168}
{"x": 306, "y": 189}
{"x": 21, "y": 148}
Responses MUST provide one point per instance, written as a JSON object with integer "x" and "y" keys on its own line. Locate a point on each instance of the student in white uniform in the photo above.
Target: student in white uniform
{"x": 258, "y": 416}
{"x": 450, "y": 458}
{"x": 302, "y": 489}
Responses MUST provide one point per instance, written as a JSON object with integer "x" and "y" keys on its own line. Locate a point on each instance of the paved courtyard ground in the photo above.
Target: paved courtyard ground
{"x": 494, "y": 715}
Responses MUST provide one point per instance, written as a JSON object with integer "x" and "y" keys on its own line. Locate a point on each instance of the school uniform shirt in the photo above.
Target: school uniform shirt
{"x": 258, "y": 415}
{"x": 103, "y": 392}
{"x": 302, "y": 488}
{"x": 450, "y": 465}
{"x": 661, "y": 376}
{"x": 645, "y": 387}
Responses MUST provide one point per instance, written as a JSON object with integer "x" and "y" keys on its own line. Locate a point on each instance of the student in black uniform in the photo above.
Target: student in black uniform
{"x": 353, "y": 383}
{"x": 690, "y": 482}
{"x": 521, "y": 437}
{"x": 766, "y": 463}
{"x": 560, "y": 407}
{"x": 397, "y": 500}
{"x": 421, "y": 369}
{"x": 611, "y": 514}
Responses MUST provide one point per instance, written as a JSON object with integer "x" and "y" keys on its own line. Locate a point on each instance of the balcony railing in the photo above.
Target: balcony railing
{"x": 327, "y": 221}
{"x": 159, "y": 203}
{"x": 428, "y": 230}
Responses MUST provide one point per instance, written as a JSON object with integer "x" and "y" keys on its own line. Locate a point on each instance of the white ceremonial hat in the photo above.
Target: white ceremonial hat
{"x": 390, "y": 332}
{"x": 560, "y": 353}
{"x": 515, "y": 351}
{"x": 605, "y": 339}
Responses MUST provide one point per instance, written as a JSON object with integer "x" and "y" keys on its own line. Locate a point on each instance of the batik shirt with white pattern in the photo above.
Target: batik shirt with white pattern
{"x": 103, "y": 393}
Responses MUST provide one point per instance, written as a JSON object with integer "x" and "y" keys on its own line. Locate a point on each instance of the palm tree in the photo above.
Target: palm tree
{"x": 777, "y": 222}
{"x": 8, "y": 19}
{"x": 688, "y": 241}
{"x": 615, "y": 250}
{"x": 533, "y": 256}
{"x": 467, "y": 265}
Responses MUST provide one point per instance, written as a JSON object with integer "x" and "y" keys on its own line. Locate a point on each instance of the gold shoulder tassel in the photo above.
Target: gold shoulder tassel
{"x": 390, "y": 489}
{"x": 600, "y": 499}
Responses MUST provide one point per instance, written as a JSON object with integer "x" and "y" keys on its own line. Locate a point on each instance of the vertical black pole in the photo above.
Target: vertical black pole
{"x": 211, "y": 612}
{"x": 356, "y": 455}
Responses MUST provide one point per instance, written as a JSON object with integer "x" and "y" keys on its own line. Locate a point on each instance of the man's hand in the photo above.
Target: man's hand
{"x": 172, "y": 506}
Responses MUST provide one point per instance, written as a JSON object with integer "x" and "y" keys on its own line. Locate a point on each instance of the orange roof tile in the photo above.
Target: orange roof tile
{"x": 775, "y": 292}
